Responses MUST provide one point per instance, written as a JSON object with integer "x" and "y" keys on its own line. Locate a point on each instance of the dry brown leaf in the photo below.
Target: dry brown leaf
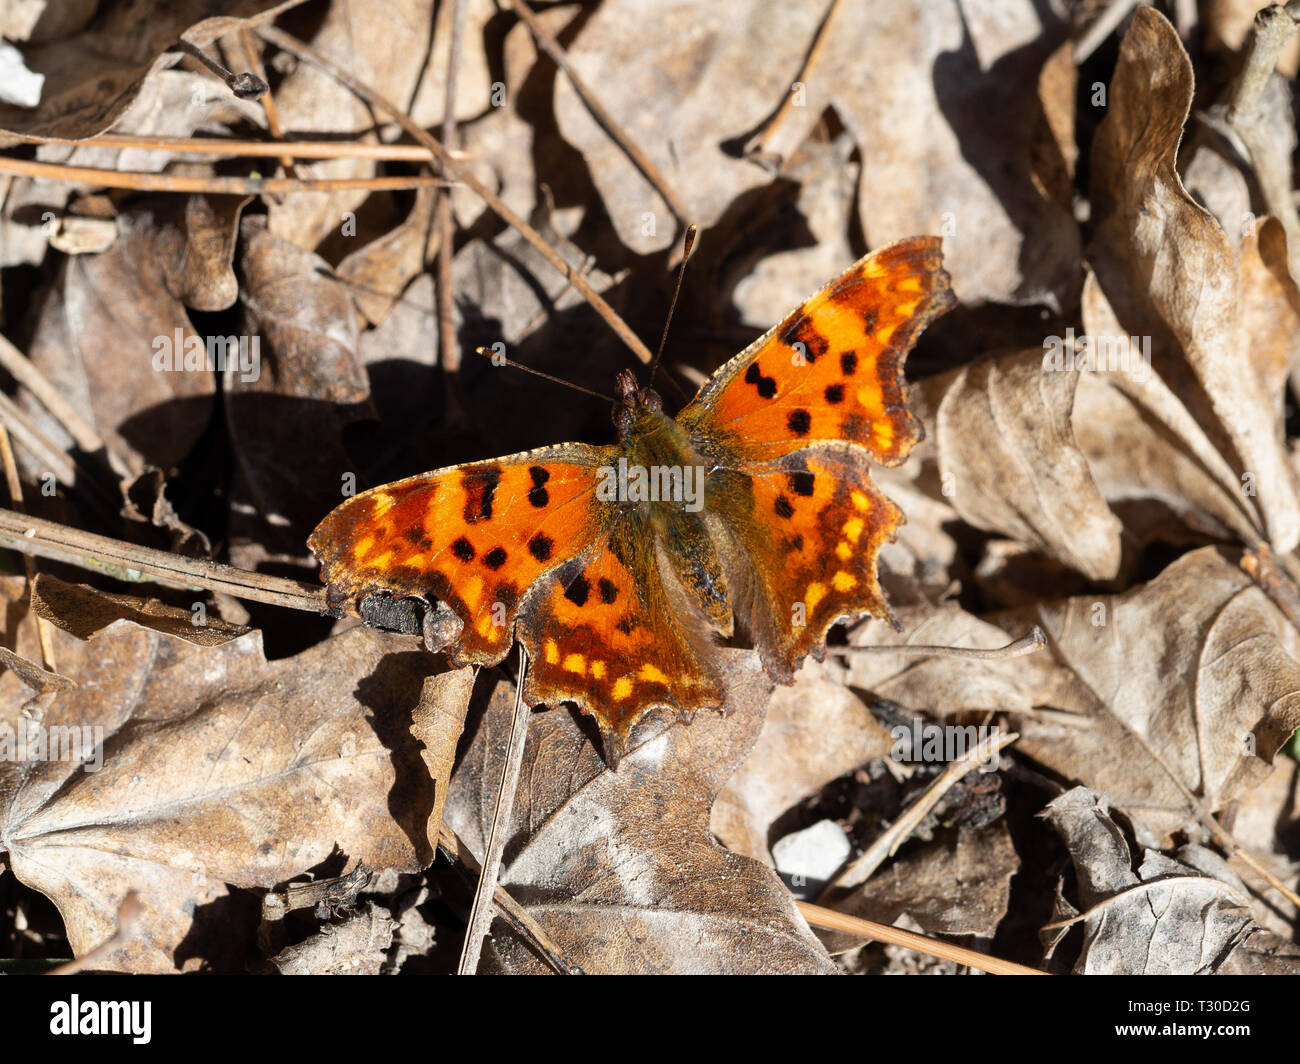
{"x": 1182, "y": 915}
{"x": 397, "y": 49}
{"x": 357, "y": 946}
{"x": 92, "y": 76}
{"x": 1000, "y": 433}
{"x": 287, "y": 421}
{"x": 82, "y": 611}
{"x": 915, "y": 85}
{"x": 1171, "y": 273}
{"x": 814, "y": 732}
{"x": 107, "y": 320}
{"x": 220, "y": 769}
{"x": 37, "y": 679}
{"x": 436, "y": 723}
{"x": 380, "y": 271}
{"x": 958, "y": 883}
{"x": 1192, "y": 678}
{"x": 619, "y": 866}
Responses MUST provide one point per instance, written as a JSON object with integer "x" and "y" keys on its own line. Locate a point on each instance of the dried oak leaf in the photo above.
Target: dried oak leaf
{"x": 1000, "y": 433}
{"x": 1172, "y": 275}
{"x": 814, "y": 732}
{"x": 619, "y": 866}
{"x": 220, "y": 770}
{"x": 668, "y": 76}
{"x": 103, "y": 323}
{"x": 92, "y": 76}
{"x": 1185, "y": 914}
{"x": 915, "y": 84}
{"x": 1186, "y": 685}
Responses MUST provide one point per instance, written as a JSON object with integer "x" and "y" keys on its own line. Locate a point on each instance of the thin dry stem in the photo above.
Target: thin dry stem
{"x": 220, "y": 186}
{"x": 480, "y": 917}
{"x": 932, "y": 947}
{"x": 452, "y": 166}
{"x": 548, "y": 44}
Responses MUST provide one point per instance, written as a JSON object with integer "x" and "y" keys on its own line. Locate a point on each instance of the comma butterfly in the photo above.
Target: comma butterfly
{"x": 617, "y": 566}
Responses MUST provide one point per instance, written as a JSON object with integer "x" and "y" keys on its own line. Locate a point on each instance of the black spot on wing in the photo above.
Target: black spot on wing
{"x": 802, "y": 332}
{"x": 578, "y": 591}
{"x": 766, "y": 385}
{"x": 537, "y": 494}
{"x": 540, "y": 547}
{"x": 495, "y": 558}
{"x": 463, "y": 549}
{"x": 801, "y": 483}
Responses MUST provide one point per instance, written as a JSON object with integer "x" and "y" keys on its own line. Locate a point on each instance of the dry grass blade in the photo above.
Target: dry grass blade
{"x": 480, "y": 916}
{"x": 225, "y": 186}
{"x": 131, "y": 563}
{"x": 855, "y": 925}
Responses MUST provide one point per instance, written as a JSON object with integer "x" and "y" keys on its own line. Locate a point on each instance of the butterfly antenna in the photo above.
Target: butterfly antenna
{"x": 498, "y": 359}
{"x": 688, "y": 242}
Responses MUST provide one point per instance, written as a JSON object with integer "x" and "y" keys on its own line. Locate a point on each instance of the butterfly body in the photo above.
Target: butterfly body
{"x": 619, "y": 567}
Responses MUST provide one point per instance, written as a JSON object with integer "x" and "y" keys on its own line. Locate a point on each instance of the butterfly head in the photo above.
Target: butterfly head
{"x": 632, "y": 404}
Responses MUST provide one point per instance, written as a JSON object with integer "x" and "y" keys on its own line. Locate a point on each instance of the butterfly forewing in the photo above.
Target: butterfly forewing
{"x": 474, "y": 536}
{"x": 833, "y": 369}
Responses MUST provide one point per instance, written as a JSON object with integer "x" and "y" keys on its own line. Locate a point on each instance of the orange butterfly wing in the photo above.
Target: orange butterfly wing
{"x": 833, "y": 369}
{"x": 520, "y": 548}
{"x": 792, "y": 423}
{"x": 475, "y": 536}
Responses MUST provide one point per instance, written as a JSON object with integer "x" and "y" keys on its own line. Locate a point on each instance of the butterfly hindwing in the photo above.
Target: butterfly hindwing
{"x": 805, "y": 532}
{"x": 607, "y": 634}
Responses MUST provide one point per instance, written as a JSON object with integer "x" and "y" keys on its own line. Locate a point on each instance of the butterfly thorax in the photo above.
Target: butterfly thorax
{"x": 657, "y": 455}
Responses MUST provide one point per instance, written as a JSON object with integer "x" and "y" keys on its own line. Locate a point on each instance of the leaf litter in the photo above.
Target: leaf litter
{"x": 218, "y": 754}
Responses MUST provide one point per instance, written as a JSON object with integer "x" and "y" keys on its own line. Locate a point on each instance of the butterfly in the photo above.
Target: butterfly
{"x": 618, "y": 568}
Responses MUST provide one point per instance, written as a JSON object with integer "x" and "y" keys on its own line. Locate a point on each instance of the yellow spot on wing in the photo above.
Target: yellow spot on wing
{"x": 472, "y": 593}
{"x": 814, "y": 595}
{"x": 575, "y": 663}
{"x": 843, "y": 551}
{"x": 860, "y": 500}
{"x": 598, "y": 669}
{"x": 652, "y": 675}
{"x": 854, "y": 525}
{"x": 622, "y": 688}
{"x": 843, "y": 581}
{"x": 551, "y": 651}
